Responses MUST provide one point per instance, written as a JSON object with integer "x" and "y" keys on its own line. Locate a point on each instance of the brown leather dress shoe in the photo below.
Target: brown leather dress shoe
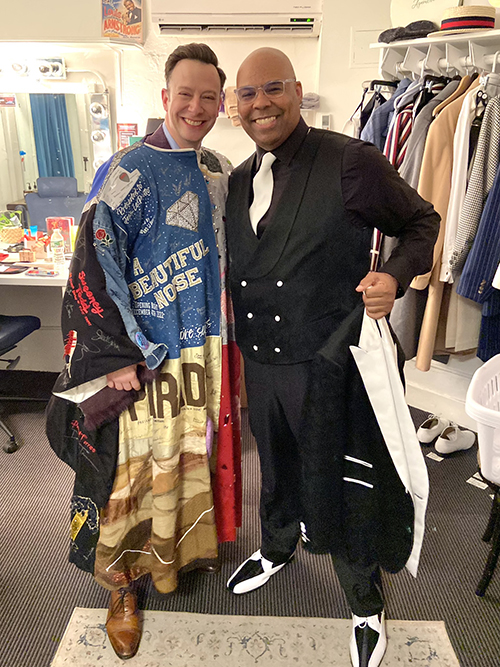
{"x": 206, "y": 565}
{"x": 124, "y": 623}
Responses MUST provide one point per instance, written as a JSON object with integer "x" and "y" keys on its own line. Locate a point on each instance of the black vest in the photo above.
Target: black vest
{"x": 292, "y": 288}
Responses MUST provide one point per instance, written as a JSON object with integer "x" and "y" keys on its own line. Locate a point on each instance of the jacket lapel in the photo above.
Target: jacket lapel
{"x": 249, "y": 240}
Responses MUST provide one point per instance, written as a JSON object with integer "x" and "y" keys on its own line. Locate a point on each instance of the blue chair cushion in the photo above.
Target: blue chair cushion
{"x": 54, "y": 205}
{"x": 13, "y": 328}
{"x": 57, "y": 186}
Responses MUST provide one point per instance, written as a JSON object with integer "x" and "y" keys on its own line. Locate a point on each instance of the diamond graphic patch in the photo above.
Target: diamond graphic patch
{"x": 185, "y": 212}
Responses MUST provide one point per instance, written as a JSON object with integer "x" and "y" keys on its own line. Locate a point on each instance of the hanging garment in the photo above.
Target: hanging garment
{"x": 407, "y": 313}
{"x": 458, "y": 178}
{"x": 401, "y": 124}
{"x": 461, "y": 323}
{"x": 410, "y": 169}
{"x": 374, "y": 101}
{"x": 432, "y": 86}
{"x": 377, "y": 126}
{"x": 374, "y": 95}
{"x": 481, "y": 181}
{"x": 463, "y": 86}
{"x": 434, "y": 185}
{"x": 435, "y": 175}
{"x": 476, "y": 281}
{"x": 399, "y": 135}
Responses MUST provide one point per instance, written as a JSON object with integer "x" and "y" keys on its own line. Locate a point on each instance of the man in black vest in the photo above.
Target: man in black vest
{"x": 300, "y": 216}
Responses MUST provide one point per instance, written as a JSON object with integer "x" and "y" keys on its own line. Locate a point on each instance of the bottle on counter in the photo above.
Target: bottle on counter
{"x": 57, "y": 247}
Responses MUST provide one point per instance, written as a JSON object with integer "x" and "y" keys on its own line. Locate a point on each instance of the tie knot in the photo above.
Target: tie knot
{"x": 267, "y": 161}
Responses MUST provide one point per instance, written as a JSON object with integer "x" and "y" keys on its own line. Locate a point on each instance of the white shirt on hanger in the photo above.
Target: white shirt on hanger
{"x": 458, "y": 179}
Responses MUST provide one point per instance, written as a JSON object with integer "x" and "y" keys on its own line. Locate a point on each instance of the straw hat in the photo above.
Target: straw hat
{"x": 466, "y": 19}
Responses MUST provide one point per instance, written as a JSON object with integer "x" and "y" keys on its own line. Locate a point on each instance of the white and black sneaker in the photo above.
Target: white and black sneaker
{"x": 368, "y": 640}
{"x": 253, "y": 573}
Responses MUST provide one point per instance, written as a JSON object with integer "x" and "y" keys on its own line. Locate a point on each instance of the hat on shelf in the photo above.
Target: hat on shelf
{"x": 413, "y": 30}
{"x": 471, "y": 18}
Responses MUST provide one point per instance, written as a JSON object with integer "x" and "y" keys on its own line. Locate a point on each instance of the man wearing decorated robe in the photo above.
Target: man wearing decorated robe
{"x": 146, "y": 408}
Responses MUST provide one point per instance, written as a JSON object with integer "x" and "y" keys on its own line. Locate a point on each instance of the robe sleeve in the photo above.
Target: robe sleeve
{"x": 96, "y": 341}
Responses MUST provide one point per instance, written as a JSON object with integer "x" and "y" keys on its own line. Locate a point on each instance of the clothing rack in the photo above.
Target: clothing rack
{"x": 379, "y": 85}
{"x": 449, "y": 55}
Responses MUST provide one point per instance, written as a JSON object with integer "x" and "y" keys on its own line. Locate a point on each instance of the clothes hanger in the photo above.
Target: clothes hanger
{"x": 377, "y": 83}
{"x": 491, "y": 81}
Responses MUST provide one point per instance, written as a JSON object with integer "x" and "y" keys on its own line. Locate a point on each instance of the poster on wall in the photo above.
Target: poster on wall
{"x": 124, "y": 131}
{"x": 122, "y": 19}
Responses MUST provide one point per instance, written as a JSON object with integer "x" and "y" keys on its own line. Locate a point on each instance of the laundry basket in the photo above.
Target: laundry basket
{"x": 483, "y": 404}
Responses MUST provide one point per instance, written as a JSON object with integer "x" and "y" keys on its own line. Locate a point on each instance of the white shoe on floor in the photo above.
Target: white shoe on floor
{"x": 368, "y": 640}
{"x": 453, "y": 439}
{"x": 431, "y": 428}
{"x": 253, "y": 573}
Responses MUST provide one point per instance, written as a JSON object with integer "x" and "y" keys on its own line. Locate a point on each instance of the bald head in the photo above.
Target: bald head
{"x": 262, "y": 59}
{"x": 269, "y": 119}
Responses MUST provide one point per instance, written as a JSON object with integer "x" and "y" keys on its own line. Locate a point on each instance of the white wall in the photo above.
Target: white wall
{"x": 66, "y": 20}
{"x": 322, "y": 65}
{"x": 348, "y": 29}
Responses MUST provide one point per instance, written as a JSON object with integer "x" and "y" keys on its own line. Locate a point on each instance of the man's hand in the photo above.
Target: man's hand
{"x": 379, "y": 292}
{"x": 124, "y": 378}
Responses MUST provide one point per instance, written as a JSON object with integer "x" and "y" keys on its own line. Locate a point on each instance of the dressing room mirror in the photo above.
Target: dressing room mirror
{"x": 46, "y": 134}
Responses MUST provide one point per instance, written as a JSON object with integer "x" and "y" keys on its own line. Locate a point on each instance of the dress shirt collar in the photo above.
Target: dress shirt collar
{"x": 174, "y": 145}
{"x": 285, "y": 152}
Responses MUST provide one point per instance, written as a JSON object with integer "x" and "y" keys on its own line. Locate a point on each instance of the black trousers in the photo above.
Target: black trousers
{"x": 276, "y": 396}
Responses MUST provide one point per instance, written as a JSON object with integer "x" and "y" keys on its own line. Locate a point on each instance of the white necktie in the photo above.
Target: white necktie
{"x": 263, "y": 183}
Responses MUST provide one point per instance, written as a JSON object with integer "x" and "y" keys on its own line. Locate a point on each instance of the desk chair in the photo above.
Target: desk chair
{"x": 57, "y": 196}
{"x": 12, "y": 331}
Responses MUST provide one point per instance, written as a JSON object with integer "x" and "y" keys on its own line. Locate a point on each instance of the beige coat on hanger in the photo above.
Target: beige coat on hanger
{"x": 434, "y": 185}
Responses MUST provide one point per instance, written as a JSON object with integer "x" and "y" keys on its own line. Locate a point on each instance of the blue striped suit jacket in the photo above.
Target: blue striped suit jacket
{"x": 479, "y": 270}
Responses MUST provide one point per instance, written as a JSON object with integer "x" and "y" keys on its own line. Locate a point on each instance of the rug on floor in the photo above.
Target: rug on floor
{"x": 188, "y": 640}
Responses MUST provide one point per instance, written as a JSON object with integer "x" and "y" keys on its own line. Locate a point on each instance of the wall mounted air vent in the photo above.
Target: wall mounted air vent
{"x": 288, "y": 17}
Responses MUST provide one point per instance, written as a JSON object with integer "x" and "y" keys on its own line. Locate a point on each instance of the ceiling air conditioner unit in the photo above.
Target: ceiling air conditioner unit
{"x": 231, "y": 17}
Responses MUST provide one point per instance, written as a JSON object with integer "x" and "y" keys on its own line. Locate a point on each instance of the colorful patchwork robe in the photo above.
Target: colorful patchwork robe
{"x": 157, "y": 471}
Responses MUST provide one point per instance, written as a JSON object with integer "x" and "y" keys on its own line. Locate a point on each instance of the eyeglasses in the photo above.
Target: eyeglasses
{"x": 247, "y": 94}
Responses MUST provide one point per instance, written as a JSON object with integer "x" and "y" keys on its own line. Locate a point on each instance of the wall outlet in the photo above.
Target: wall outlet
{"x": 326, "y": 121}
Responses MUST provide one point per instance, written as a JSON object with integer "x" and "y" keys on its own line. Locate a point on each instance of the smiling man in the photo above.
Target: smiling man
{"x": 300, "y": 215}
{"x": 147, "y": 352}
{"x": 191, "y": 100}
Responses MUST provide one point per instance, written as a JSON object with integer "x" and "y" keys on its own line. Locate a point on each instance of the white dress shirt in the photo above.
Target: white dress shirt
{"x": 458, "y": 179}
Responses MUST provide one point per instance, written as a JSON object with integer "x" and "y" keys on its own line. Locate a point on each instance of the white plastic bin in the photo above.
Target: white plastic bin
{"x": 483, "y": 404}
